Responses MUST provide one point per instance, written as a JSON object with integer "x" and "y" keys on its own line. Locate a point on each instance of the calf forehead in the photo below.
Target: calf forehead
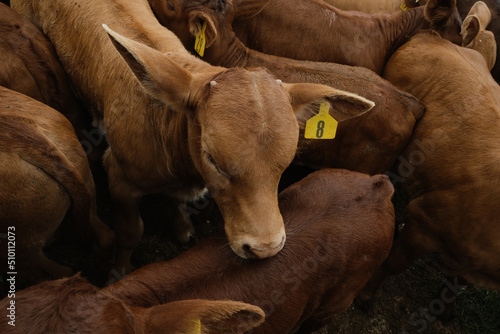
{"x": 247, "y": 102}
{"x": 248, "y": 115}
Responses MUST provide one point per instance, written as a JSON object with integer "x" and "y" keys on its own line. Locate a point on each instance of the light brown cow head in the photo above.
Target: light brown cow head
{"x": 242, "y": 133}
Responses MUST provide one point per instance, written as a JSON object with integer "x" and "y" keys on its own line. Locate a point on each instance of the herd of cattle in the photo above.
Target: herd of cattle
{"x": 197, "y": 97}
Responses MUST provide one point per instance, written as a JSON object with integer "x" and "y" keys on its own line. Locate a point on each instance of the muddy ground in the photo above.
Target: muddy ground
{"x": 412, "y": 302}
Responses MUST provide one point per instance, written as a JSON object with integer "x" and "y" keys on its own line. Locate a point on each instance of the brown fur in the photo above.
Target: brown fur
{"x": 372, "y": 148}
{"x": 170, "y": 129}
{"x": 340, "y": 227}
{"x": 29, "y": 65}
{"x": 369, "y": 6}
{"x": 44, "y": 172}
{"x": 314, "y": 30}
{"x": 72, "y": 305}
{"x": 450, "y": 168}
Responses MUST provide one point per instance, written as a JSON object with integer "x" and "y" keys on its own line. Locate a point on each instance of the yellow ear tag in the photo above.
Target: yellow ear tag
{"x": 404, "y": 6}
{"x": 196, "y": 327}
{"x": 322, "y": 125}
{"x": 199, "y": 44}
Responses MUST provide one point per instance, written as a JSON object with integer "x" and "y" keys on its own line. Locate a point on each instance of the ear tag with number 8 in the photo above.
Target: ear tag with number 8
{"x": 322, "y": 125}
{"x": 199, "y": 44}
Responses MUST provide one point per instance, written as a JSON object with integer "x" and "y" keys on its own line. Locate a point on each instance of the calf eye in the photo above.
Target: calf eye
{"x": 212, "y": 161}
{"x": 169, "y": 6}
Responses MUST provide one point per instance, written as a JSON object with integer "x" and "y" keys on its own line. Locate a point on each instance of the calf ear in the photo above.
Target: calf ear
{"x": 160, "y": 76}
{"x": 381, "y": 186}
{"x": 198, "y": 316}
{"x": 196, "y": 20}
{"x": 437, "y": 12}
{"x": 483, "y": 13}
{"x": 306, "y": 98}
{"x": 248, "y": 8}
{"x": 470, "y": 29}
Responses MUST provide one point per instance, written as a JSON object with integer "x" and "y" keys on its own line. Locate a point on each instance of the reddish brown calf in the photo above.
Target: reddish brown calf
{"x": 72, "y": 305}
{"x": 339, "y": 227}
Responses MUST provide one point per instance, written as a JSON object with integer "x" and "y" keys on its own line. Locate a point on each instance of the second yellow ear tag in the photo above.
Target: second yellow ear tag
{"x": 403, "y": 6}
{"x": 196, "y": 327}
{"x": 322, "y": 125}
{"x": 199, "y": 44}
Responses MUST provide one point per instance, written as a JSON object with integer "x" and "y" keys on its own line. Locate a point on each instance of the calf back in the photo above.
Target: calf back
{"x": 452, "y": 158}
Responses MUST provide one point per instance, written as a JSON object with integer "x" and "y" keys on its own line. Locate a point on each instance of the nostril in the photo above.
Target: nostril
{"x": 248, "y": 252}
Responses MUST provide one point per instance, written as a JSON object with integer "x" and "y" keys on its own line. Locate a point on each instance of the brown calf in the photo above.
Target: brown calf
{"x": 44, "y": 173}
{"x": 379, "y": 136}
{"x": 314, "y": 30}
{"x": 339, "y": 227}
{"x": 29, "y": 65}
{"x": 450, "y": 168}
{"x": 72, "y": 305}
{"x": 177, "y": 124}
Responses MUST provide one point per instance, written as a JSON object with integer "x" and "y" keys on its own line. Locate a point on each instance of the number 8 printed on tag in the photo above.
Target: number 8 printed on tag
{"x": 322, "y": 125}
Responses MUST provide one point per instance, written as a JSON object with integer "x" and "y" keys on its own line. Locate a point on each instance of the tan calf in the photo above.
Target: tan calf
{"x": 44, "y": 174}
{"x": 177, "y": 124}
{"x": 450, "y": 168}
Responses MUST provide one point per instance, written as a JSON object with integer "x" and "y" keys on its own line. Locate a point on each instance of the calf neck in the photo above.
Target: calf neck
{"x": 313, "y": 30}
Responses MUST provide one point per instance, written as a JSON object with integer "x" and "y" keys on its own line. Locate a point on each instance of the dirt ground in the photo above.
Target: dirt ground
{"x": 412, "y": 302}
